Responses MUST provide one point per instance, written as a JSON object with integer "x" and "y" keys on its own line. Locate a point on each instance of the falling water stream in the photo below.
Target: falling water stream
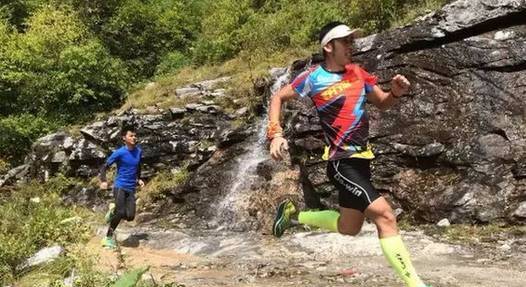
{"x": 232, "y": 207}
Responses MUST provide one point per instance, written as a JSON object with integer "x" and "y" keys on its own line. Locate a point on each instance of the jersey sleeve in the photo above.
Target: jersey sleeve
{"x": 113, "y": 157}
{"x": 368, "y": 88}
{"x": 369, "y": 80}
{"x": 139, "y": 165}
{"x": 302, "y": 84}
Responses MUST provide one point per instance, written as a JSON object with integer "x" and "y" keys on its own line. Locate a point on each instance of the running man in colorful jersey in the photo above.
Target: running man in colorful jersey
{"x": 128, "y": 159}
{"x": 339, "y": 91}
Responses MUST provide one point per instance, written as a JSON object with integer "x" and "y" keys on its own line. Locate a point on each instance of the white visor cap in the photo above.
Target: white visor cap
{"x": 339, "y": 31}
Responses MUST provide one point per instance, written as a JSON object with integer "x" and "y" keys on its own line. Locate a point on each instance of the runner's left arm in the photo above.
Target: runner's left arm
{"x": 384, "y": 100}
{"x": 140, "y": 182}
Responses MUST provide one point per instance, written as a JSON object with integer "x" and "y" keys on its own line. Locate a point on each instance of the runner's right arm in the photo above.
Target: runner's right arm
{"x": 275, "y": 133}
{"x": 102, "y": 172}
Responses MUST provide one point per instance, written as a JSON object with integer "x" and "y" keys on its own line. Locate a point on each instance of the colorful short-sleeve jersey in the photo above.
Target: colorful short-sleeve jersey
{"x": 340, "y": 102}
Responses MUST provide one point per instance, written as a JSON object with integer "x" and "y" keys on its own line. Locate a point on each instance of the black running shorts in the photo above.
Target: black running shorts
{"x": 352, "y": 179}
{"x": 124, "y": 203}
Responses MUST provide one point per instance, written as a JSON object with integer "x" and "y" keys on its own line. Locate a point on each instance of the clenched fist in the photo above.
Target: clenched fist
{"x": 399, "y": 85}
{"x": 104, "y": 185}
{"x": 278, "y": 146}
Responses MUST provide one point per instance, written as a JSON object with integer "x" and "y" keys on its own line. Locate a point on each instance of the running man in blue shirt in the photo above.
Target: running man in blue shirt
{"x": 128, "y": 160}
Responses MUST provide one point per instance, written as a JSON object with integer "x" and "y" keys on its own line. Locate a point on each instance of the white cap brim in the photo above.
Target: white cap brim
{"x": 338, "y": 32}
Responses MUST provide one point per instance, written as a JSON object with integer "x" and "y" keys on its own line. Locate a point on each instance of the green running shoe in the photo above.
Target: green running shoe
{"x": 282, "y": 221}
{"x": 108, "y": 242}
{"x": 110, "y": 212}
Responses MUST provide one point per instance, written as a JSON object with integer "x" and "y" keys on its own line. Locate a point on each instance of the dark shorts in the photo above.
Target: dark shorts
{"x": 352, "y": 179}
{"x": 124, "y": 203}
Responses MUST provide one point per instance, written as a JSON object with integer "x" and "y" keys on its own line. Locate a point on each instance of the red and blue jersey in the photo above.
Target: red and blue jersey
{"x": 340, "y": 102}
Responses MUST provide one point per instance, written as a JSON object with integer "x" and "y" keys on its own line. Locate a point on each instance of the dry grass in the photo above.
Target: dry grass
{"x": 467, "y": 233}
{"x": 481, "y": 233}
{"x": 4, "y": 166}
{"x": 413, "y": 11}
{"x": 243, "y": 70}
{"x": 162, "y": 183}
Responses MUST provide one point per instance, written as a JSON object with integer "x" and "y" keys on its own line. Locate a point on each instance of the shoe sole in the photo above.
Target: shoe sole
{"x": 105, "y": 246}
{"x": 108, "y": 246}
{"x": 279, "y": 218}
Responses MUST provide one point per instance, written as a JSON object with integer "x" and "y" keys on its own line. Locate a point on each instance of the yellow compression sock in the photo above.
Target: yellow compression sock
{"x": 325, "y": 219}
{"x": 398, "y": 257}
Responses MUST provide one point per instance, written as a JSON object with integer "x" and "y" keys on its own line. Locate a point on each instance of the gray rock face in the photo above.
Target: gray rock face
{"x": 43, "y": 256}
{"x": 172, "y": 138}
{"x": 521, "y": 210}
{"x": 14, "y": 174}
{"x": 455, "y": 146}
{"x": 204, "y": 88}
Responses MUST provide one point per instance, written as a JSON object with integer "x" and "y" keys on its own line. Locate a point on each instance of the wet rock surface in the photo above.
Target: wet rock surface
{"x": 224, "y": 258}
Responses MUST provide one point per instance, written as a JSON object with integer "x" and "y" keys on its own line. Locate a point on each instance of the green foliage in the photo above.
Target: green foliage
{"x": 414, "y": 9}
{"x": 77, "y": 262}
{"x": 130, "y": 278}
{"x": 220, "y": 39}
{"x": 261, "y": 28}
{"x": 17, "y": 11}
{"x": 32, "y": 219}
{"x": 19, "y": 132}
{"x": 82, "y": 55}
{"x": 279, "y": 25}
{"x": 171, "y": 63}
{"x": 142, "y": 31}
{"x": 96, "y": 13}
{"x": 57, "y": 70}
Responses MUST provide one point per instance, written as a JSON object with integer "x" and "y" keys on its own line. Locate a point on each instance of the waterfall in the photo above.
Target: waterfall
{"x": 232, "y": 208}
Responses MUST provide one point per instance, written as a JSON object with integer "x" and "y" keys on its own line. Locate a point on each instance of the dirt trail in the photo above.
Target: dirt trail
{"x": 221, "y": 258}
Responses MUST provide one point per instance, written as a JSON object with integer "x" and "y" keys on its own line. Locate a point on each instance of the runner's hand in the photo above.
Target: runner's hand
{"x": 141, "y": 183}
{"x": 278, "y": 146}
{"x": 399, "y": 85}
{"x": 104, "y": 185}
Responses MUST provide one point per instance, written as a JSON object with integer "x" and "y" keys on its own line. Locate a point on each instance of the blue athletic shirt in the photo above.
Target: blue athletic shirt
{"x": 127, "y": 167}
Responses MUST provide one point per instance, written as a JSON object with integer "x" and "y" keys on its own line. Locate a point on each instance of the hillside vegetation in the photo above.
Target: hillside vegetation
{"x": 63, "y": 61}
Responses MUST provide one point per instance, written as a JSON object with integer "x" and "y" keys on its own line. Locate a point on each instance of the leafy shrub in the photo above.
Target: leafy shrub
{"x": 19, "y": 132}
{"x": 17, "y": 11}
{"x": 57, "y": 69}
{"x": 290, "y": 24}
{"x": 141, "y": 32}
{"x": 172, "y": 62}
{"x": 219, "y": 39}
{"x": 39, "y": 223}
